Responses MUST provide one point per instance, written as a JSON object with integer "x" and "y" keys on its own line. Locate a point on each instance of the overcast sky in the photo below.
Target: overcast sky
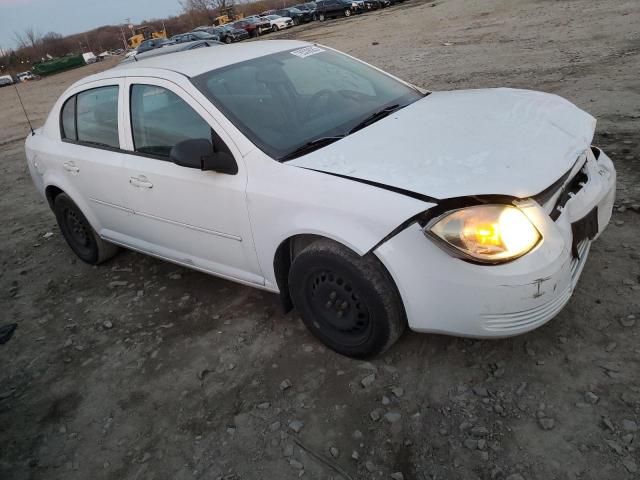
{"x": 73, "y": 16}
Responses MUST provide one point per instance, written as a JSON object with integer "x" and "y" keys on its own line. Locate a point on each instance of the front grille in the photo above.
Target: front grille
{"x": 574, "y": 186}
{"x": 564, "y": 188}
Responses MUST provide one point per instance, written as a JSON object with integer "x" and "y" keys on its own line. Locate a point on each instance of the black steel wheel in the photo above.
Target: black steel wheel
{"x": 79, "y": 234}
{"x": 349, "y": 302}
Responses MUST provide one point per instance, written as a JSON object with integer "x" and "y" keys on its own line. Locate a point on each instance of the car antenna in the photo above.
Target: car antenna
{"x": 24, "y": 110}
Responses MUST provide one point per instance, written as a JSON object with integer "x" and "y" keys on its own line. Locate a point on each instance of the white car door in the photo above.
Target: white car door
{"x": 90, "y": 156}
{"x": 186, "y": 215}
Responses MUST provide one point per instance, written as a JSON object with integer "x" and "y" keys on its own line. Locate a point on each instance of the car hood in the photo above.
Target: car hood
{"x": 467, "y": 142}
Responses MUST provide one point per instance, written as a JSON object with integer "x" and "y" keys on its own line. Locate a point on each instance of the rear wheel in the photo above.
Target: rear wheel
{"x": 321, "y": 17}
{"x": 296, "y": 21}
{"x": 349, "y": 302}
{"x": 347, "y": 12}
{"x": 275, "y": 28}
{"x": 80, "y": 236}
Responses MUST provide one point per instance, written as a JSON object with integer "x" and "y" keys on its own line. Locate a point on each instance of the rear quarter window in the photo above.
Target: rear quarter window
{"x": 68, "y": 120}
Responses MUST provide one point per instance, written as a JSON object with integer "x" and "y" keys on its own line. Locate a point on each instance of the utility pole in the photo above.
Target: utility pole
{"x": 124, "y": 38}
{"x": 86, "y": 38}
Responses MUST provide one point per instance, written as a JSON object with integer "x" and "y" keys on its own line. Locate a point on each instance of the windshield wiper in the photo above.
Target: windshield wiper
{"x": 375, "y": 116}
{"x": 311, "y": 146}
{"x": 324, "y": 141}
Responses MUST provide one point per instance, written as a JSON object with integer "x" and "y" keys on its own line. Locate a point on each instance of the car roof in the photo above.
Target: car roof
{"x": 192, "y": 63}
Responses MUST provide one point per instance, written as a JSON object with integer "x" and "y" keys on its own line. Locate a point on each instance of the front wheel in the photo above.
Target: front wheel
{"x": 227, "y": 40}
{"x": 349, "y": 302}
{"x": 347, "y": 12}
{"x": 274, "y": 28}
{"x": 321, "y": 17}
{"x": 79, "y": 234}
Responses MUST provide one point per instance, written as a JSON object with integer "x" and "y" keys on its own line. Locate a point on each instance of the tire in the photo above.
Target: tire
{"x": 228, "y": 40}
{"x": 349, "y": 303}
{"x": 296, "y": 21}
{"x": 80, "y": 236}
{"x": 274, "y": 28}
{"x": 347, "y": 12}
{"x": 321, "y": 17}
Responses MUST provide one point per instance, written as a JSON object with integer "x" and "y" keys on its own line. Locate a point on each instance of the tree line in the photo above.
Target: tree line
{"x": 33, "y": 47}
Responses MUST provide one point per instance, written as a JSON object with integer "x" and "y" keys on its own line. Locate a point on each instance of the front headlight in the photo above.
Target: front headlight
{"x": 487, "y": 233}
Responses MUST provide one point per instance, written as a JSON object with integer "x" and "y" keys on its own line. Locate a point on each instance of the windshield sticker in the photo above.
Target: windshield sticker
{"x": 307, "y": 51}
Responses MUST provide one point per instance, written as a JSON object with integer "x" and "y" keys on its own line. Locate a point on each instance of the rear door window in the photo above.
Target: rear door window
{"x": 91, "y": 117}
{"x": 97, "y": 117}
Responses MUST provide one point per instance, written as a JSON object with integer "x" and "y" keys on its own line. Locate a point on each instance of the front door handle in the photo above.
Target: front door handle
{"x": 70, "y": 167}
{"x": 140, "y": 181}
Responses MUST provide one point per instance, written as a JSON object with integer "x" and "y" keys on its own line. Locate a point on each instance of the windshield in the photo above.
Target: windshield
{"x": 286, "y": 100}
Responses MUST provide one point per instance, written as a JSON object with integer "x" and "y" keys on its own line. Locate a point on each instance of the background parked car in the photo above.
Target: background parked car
{"x": 263, "y": 25}
{"x": 178, "y": 47}
{"x": 250, "y": 27}
{"x": 151, "y": 44}
{"x": 376, "y": 4}
{"x": 278, "y": 22}
{"x": 333, "y": 9}
{"x": 307, "y": 7}
{"x": 26, "y": 76}
{"x": 193, "y": 36}
{"x": 227, "y": 33}
{"x": 6, "y": 80}
{"x": 358, "y": 6}
{"x": 298, "y": 16}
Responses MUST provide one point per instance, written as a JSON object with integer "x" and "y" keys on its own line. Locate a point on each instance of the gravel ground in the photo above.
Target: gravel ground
{"x": 139, "y": 369}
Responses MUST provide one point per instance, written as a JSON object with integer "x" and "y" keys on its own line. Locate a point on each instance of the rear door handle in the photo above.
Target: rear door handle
{"x": 70, "y": 167}
{"x": 141, "y": 182}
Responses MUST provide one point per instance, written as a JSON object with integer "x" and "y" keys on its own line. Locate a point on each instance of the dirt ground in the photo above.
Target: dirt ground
{"x": 139, "y": 369}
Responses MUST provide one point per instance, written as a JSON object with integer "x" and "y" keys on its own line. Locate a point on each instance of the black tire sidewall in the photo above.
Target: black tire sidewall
{"x": 60, "y": 207}
{"x": 303, "y": 269}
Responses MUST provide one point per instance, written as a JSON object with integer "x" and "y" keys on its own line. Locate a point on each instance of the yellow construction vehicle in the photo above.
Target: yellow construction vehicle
{"x": 144, "y": 33}
{"x": 227, "y": 15}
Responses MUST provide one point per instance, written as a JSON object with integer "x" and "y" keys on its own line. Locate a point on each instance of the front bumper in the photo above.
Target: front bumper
{"x": 442, "y": 294}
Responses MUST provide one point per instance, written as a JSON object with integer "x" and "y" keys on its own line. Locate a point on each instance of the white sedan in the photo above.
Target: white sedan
{"x": 279, "y": 23}
{"x": 365, "y": 202}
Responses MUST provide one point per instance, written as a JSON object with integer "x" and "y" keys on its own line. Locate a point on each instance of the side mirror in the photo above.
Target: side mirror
{"x": 199, "y": 153}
